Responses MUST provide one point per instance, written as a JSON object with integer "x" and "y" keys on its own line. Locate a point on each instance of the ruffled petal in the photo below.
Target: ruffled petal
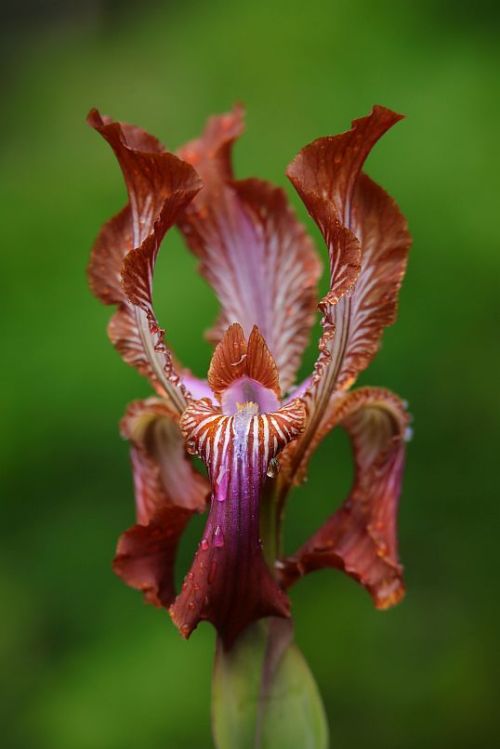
{"x": 252, "y": 249}
{"x": 167, "y": 492}
{"x": 368, "y": 243}
{"x": 361, "y": 537}
{"x": 159, "y": 186}
{"x": 229, "y": 582}
{"x": 385, "y": 241}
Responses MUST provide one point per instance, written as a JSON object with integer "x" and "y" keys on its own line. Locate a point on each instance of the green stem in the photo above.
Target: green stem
{"x": 269, "y": 524}
{"x": 264, "y": 695}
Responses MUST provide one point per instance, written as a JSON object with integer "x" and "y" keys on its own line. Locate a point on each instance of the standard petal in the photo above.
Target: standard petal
{"x": 252, "y": 249}
{"x": 159, "y": 186}
{"x": 167, "y": 492}
{"x": 368, "y": 244}
{"x": 361, "y": 537}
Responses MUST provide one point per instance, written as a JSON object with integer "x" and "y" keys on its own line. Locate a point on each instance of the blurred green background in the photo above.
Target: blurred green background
{"x": 85, "y": 665}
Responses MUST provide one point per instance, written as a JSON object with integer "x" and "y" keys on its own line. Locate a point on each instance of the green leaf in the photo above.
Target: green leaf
{"x": 264, "y": 695}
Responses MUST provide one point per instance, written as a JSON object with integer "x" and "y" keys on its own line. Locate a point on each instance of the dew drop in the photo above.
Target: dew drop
{"x": 185, "y": 630}
{"x": 221, "y": 484}
{"x": 273, "y": 468}
{"x": 408, "y": 435}
{"x": 204, "y": 544}
{"x": 191, "y": 605}
{"x": 218, "y": 537}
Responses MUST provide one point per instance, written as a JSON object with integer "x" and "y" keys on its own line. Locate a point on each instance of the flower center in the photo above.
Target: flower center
{"x": 244, "y": 391}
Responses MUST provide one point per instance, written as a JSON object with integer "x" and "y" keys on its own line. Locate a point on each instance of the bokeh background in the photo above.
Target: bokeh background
{"x": 85, "y": 665}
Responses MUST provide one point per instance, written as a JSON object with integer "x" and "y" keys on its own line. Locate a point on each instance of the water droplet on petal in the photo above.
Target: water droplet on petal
{"x": 273, "y": 468}
{"x": 408, "y": 435}
{"x": 204, "y": 544}
{"x": 221, "y": 484}
{"x": 185, "y": 629}
{"x": 218, "y": 537}
{"x": 382, "y": 549}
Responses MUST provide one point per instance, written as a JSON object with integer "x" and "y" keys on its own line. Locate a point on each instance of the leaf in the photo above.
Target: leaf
{"x": 264, "y": 695}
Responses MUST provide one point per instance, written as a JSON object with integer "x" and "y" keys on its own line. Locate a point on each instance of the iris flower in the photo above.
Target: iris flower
{"x": 252, "y": 426}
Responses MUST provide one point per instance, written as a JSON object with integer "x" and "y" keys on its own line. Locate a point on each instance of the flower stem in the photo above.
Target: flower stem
{"x": 269, "y": 524}
{"x": 264, "y": 695}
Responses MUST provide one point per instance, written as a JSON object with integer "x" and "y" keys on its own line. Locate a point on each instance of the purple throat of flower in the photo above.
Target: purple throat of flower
{"x": 252, "y": 426}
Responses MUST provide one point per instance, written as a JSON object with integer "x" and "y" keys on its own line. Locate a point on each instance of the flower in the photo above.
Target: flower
{"x": 253, "y": 430}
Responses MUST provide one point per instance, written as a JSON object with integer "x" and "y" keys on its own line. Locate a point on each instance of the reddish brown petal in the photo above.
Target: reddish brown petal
{"x": 112, "y": 244}
{"x": 167, "y": 491}
{"x": 159, "y": 186}
{"x": 145, "y": 555}
{"x": 368, "y": 243}
{"x": 155, "y": 179}
{"x": 212, "y": 152}
{"x": 385, "y": 242}
{"x": 361, "y": 537}
{"x": 260, "y": 362}
{"x": 229, "y": 360}
{"x": 229, "y": 583}
{"x": 234, "y": 358}
{"x": 163, "y": 473}
{"x": 252, "y": 249}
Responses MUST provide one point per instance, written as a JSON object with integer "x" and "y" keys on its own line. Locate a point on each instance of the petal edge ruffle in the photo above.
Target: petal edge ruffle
{"x": 361, "y": 536}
